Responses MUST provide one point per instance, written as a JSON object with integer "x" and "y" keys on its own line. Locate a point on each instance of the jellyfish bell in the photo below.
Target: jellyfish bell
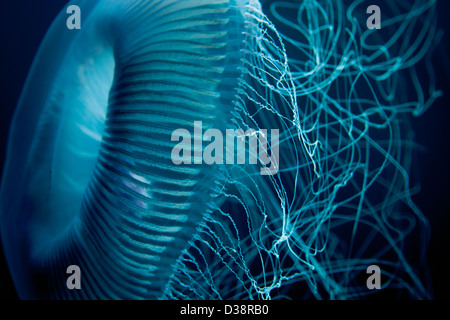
{"x": 90, "y": 143}
{"x": 36, "y": 206}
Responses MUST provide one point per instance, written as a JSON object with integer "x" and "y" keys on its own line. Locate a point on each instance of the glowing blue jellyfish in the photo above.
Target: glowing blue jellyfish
{"x": 89, "y": 178}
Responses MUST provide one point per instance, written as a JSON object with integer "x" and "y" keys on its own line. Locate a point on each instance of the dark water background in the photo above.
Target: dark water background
{"x": 23, "y": 24}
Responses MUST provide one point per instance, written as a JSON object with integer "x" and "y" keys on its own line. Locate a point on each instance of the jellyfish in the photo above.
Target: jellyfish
{"x": 90, "y": 178}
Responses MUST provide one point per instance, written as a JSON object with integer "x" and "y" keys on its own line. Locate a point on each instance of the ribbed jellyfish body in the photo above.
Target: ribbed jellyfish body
{"x": 90, "y": 180}
{"x": 101, "y": 190}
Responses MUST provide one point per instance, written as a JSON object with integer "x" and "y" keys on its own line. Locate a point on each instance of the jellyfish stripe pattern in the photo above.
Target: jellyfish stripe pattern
{"x": 89, "y": 178}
